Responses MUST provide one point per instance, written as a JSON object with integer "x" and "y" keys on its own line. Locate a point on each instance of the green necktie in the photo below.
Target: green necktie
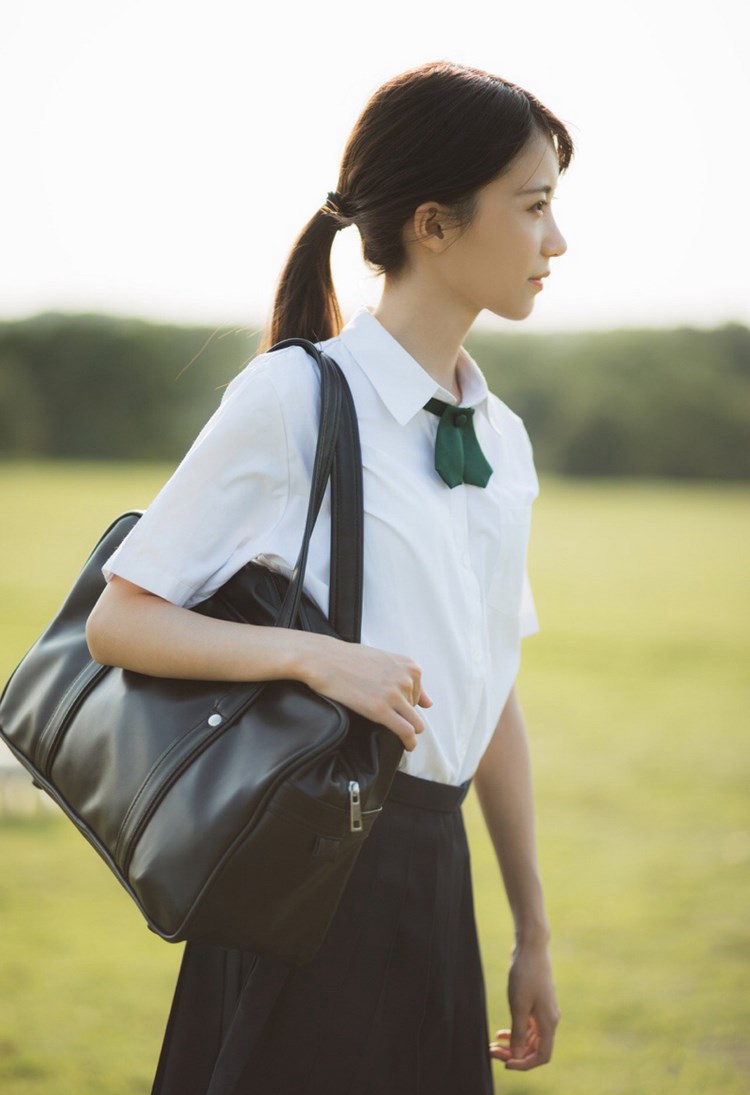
{"x": 458, "y": 456}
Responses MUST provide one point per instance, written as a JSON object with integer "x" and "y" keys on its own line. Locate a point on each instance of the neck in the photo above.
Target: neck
{"x": 432, "y": 334}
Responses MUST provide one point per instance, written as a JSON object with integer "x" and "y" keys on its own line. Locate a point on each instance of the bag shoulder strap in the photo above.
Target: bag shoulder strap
{"x": 338, "y": 456}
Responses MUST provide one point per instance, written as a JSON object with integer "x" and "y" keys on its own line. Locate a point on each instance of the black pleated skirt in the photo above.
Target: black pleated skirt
{"x": 392, "y": 1004}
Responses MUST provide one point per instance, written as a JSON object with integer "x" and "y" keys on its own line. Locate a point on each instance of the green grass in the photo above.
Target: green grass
{"x": 635, "y": 696}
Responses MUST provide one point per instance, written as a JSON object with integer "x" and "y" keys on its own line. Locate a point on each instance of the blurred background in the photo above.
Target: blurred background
{"x": 159, "y": 160}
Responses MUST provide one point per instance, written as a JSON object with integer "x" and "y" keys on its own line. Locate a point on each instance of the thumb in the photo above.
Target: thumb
{"x": 518, "y": 1035}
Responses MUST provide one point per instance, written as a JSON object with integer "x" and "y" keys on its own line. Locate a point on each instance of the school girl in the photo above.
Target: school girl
{"x": 447, "y": 176}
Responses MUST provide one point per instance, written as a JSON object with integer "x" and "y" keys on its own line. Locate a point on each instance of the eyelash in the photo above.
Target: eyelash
{"x": 541, "y": 202}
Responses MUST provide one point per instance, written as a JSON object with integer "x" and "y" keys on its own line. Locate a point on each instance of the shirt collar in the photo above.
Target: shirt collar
{"x": 400, "y": 381}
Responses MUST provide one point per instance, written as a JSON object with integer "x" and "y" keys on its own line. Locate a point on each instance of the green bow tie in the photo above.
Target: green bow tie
{"x": 458, "y": 456}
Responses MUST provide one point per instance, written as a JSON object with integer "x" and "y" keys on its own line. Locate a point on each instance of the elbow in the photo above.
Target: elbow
{"x": 96, "y": 635}
{"x": 115, "y": 624}
{"x": 92, "y": 638}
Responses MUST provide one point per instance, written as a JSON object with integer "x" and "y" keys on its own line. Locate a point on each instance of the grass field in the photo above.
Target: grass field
{"x": 635, "y": 693}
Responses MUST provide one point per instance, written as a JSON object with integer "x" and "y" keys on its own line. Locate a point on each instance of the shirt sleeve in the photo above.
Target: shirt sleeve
{"x": 527, "y": 612}
{"x": 230, "y": 490}
{"x": 528, "y": 618}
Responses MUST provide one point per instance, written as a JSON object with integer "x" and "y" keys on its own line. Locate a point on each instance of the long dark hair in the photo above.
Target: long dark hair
{"x": 436, "y": 132}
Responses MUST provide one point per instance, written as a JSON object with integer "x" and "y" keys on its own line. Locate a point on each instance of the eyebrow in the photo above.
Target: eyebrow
{"x": 537, "y": 190}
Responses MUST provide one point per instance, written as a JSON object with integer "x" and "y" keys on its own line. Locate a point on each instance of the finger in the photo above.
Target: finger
{"x": 523, "y": 1064}
{"x": 545, "y": 1039}
{"x": 508, "y": 1055}
{"x": 407, "y": 730}
{"x": 401, "y": 727}
{"x": 497, "y": 1052}
{"x": 519, "y": 1034}
{"x": 500, "y": 1047}
{"x": 413, "y": 688}
{"x": 418, "y": 697}
{"x": 530, "y": 1059}
{"x": 524, "y": 1058}
{"x": 421, "y": 699}
{"x": 531, "y": 1056}
{"x": 408, "y": 713}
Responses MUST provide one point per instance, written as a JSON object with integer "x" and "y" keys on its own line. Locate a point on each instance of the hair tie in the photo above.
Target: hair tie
{"x": 336, "y": 203}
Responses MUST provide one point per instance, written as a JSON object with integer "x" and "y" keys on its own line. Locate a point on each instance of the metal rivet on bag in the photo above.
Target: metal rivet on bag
{"x": 215, "y": 720}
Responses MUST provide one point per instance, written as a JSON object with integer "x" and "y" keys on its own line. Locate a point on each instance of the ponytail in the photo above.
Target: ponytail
{"x": 306, "y": 305}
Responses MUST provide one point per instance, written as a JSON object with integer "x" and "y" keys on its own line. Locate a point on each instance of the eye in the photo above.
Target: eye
{"x": 542, "y": 202}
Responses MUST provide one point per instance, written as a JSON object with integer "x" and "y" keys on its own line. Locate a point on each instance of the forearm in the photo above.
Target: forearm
{"x": 147, "y": 634}
{"x": 503, "y": 783}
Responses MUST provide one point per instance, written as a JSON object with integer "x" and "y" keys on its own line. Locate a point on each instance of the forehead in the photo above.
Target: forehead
{"x": 536, "y": 166}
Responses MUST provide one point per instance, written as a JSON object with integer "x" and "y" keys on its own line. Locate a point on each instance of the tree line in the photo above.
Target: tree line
{"x": 646, "y": 402}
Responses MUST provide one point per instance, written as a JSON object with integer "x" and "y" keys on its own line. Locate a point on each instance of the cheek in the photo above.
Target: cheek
{"x": 491, "y": 254}
{"x": 477, "y": 264}
{"x": 494, "y": 245}
{"x": 508, "y": 238}
{"x": 524, "y": 231}
{"x": 504, "y": 255}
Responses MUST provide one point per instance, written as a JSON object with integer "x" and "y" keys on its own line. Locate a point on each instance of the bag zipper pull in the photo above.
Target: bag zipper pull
{"x": 355, "y": 807}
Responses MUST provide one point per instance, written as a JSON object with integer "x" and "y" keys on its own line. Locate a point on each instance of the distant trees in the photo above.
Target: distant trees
{"x": 672, "y": 403}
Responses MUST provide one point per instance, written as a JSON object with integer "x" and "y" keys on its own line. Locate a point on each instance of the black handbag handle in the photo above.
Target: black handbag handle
{"x": 338, "y": 456}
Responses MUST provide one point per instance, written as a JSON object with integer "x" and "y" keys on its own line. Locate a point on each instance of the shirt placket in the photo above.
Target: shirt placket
{"x": 471, "y": 616}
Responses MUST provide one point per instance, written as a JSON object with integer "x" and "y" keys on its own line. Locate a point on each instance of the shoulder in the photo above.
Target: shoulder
{"x": 290, "y": 372}
{"x": 519, "y": 451}
{"x": 506, "y": 422}
{"x": 283, "y": 383}
{"x": 291, "y": 377}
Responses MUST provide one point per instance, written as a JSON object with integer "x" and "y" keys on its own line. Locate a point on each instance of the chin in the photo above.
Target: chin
{"x": 512, "y": 311}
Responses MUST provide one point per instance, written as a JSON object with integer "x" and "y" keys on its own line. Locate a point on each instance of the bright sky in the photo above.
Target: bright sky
{"x": 160, "y": 157}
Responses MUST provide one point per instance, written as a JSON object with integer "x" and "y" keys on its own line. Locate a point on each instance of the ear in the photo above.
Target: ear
{"x": 428, "y": 226}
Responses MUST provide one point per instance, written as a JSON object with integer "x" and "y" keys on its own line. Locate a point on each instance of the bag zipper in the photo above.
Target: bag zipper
{"x": 355, "y": 807}
{"x": 52, "y": 735}
{"x": 170, "y": 779}
{"x": 354, "y": 790}
{"x": 282, "y": 583}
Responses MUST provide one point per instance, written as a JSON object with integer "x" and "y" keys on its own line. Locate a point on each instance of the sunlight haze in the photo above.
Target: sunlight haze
{"x": 161, "y": 157}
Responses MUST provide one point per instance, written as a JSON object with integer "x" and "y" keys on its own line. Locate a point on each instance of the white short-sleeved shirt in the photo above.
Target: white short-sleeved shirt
{"x": 445, "y": 576}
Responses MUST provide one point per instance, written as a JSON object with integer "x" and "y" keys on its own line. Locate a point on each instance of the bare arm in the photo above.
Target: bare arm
{"x": 133, "y": 628}
{"x": 504, "y": 789}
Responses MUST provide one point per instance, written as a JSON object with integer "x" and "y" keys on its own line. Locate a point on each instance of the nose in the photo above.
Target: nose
{"x": 555, "y": 243}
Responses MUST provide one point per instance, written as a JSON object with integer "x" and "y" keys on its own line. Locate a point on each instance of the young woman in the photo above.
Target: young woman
{"x": 448, "y": 176}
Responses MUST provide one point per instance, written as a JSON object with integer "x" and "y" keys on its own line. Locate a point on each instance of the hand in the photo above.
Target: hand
{"x": 534, "y": 1010}
{"x": 383, "y": 686}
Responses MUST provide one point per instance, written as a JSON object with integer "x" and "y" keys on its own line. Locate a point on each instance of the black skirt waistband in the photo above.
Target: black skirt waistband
{"x": 427, "y": 794}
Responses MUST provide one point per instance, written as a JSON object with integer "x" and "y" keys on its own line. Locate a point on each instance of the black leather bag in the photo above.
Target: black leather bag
{"x": 231, "y": 812}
